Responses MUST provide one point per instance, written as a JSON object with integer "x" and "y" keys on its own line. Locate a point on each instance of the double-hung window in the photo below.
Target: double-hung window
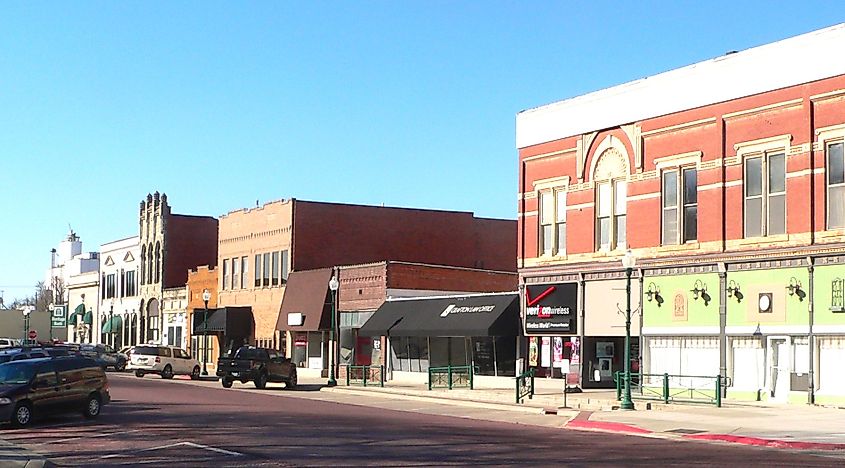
{"x": 226, "y": 273}
{"x": 235, "y": 276}
{"x": 680, "y": 206}
{"x": 765, "y": 195}
{"x": 611, "y": 209}
{"x": 835, "y": 186}
{"x": 257, "y": 271}
{"x": 552, "y": 222}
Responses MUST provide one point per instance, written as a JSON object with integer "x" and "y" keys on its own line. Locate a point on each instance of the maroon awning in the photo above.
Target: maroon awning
{"x": 307, "y": 293}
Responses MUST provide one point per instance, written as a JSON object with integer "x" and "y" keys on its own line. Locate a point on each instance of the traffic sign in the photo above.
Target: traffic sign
{"x": 33, "y": 334}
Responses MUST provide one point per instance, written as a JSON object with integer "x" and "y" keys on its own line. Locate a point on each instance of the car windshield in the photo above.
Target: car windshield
{"x": 16, "y": 372}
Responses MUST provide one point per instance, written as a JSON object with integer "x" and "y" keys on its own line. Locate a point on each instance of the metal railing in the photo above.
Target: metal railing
{"x": 364, "y": 375}
{"x": 450, "y": 377}
{"x": 674, "y": 388}
{"x": 525, "y": 385}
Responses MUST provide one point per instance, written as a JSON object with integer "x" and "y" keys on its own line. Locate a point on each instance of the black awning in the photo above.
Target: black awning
{"x": 475, "y": 315}
{"x": 235, "y": 321}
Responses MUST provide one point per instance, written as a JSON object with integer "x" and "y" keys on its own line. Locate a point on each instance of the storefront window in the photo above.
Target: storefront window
{"x": 418, "y": 353}
{"x": 399, "y": 356}
{"x": 505, "y": 348}
{"x": 484, "y": 355}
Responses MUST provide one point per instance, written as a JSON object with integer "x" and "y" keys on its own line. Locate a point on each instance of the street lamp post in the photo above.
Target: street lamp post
{"x": 333, "y": 285}
{"x": 628, "y": 261}
{"x": 206, "y": 296}
{"x": 26, "y": 311}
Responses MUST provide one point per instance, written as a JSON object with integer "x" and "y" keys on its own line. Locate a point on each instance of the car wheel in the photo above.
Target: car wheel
{"x": 261, "y": 380}
{"x": 167, "y": 373}
{"x": 227, "y": 383}
{"x": 291, "y": 381}
{"x": 92, "y": 407}
{"x": 139, "y": 373}
{"x": 22, "y": 416}
{"x": 195, "y": 373}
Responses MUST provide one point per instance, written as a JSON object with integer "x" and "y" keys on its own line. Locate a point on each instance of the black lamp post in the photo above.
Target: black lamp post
{"x": 206, "y": 296}
{"x": 333, "y": 285}
{"x": 628, "y": 261}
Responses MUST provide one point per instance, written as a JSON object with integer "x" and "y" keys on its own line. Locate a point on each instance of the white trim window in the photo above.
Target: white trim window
{"x": 225, "y": 274}
{"x": 765, "y": 195}
{"x": 680, "y": 206}
{"x": 552, "y": 226}
{"x": 835, "y": 186}
{"x": 611, "y": 214}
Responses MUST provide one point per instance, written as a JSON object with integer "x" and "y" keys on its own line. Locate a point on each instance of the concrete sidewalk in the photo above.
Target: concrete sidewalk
{"x": 797, "y": 427}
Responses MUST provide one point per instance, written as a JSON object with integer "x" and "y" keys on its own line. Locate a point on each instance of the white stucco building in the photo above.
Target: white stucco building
{"x": 119, "y": 296}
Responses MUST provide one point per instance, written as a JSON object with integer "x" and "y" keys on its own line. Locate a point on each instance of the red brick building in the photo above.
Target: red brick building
{"x": 722, "y": 176}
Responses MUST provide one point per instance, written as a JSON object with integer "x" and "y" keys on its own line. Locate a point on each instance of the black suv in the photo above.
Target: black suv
{"x": 49, "y": 386}
{"x": 105, "y": 356}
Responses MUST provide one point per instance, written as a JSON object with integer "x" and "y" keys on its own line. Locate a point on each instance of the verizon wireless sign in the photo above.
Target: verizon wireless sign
{"x": 551, "y": 309}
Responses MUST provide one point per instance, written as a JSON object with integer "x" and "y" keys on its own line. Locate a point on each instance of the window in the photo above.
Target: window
{"x": 266, "y": 275}
{"x": 275, "y": 268}
{"x": 122, "y": 292}
{"x": 158, "y": 263}
{"x": 765, "y": 195}
{"x": 284, "y": 266}
{"x": 143, "y": 262}
{"x": 835, "y": 186}
{"x": 680, "y": 208}
{"x": 110, "y": 285}
{"x": 611, "y": 209}
{"x": 552, "y": 222}
{"x": 244, "y": 268}
{"x": 225, "y": 274}
{"x": 257, "y": 270}
{"x": 235, "y": 276}
{"x": 131, "y": 287}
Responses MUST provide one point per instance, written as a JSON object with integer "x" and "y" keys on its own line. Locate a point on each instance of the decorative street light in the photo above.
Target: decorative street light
{"x": 206, "y": 296}
{"x": 333, "y": 285}
{"x": 628, "y": 261}
{"x": 26, "y": 311}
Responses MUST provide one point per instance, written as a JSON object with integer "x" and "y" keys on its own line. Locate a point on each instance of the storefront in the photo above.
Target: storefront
{"x": 305, "y": 314}
{"x": 477, "y": 330}
{"x": 551, "y": 324}
{"x": 217, "y": 331}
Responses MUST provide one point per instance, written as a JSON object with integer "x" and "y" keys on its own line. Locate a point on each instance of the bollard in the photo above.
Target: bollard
{"x": 381, "y": 374}
{"x": 617, "y": 378}
{"x": 718, "y": 391}
{"x": 665, "y": 388}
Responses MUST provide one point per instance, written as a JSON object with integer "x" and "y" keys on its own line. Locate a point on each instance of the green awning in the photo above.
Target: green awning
{"x": 113, "y": 325}
{"x": 88, "y": 318}
{"x": 79, "y": 310}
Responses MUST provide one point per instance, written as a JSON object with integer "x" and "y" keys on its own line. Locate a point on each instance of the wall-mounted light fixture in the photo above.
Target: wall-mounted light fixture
{"x": 733, "y": 290}
{"x": 653, "y": 294}
{"x": 699, "y": 289}
{"x": 794, "y": 288}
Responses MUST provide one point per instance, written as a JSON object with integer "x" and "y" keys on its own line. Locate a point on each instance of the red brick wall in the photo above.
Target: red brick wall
{"x": 715, "y": 140}
{"x": 326, "y": 234}
{"x": 191, "y": 241}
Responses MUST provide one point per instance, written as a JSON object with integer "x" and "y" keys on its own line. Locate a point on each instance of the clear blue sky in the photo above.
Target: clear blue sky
{"x": 220, "y": 104}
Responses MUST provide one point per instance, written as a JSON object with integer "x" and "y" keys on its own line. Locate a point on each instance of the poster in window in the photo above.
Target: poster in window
{"x": 557, "y": 348}
{"x": 545, "y": 351}
{"x": 533, "y": 351}
{"x": 575, "y": 345}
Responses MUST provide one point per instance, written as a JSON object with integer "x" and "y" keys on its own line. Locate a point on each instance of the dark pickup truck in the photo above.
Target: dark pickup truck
{"x": 260, "y": 365}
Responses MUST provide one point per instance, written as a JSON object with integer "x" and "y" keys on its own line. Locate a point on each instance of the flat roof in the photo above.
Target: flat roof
{"x": 800, "y": 59}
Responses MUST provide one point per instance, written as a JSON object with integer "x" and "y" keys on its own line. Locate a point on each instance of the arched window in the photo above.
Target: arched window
{"x": 158, "y": 262}
{"x": 610, "y": 174}
{"x": 143, "y": 263}
{"x": 150, "y": 262}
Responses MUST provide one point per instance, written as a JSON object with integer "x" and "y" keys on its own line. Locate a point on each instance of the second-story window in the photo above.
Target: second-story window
{"x": 244, "y": 268}
{"x": 131, "y": 288}
{"x": 765, "y": 195}
{"x": 225, "y": 274}
{"x": 266, "y": 275}
{"x": 611, "y": 210}
{"x": 835, "y": 186}
{"x": 552, "y": 222}
{"x": 257, "y": 271}
{"x": 275, "y": 268}
{"x": 680, "y": 206}
{"x": 235, "y": 276}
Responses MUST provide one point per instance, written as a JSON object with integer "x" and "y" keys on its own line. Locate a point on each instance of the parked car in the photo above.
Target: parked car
{"x": 8, "y": 342}
{"x": 48, "y": 386}
{"x": 165, "y": 361}
{"x": 259, "y": 365}
{"x": 125, "y": 351}
{"x": 105, "y": 356}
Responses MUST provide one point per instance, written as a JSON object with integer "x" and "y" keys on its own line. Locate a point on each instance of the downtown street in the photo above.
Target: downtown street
{"x": 155, "y": 422}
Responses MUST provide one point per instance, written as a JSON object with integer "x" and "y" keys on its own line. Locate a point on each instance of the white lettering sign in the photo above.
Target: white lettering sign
{"x": 453, "y": 309}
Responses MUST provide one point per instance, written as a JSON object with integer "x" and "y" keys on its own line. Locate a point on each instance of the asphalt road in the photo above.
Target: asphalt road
{"x": 152, "y": 422}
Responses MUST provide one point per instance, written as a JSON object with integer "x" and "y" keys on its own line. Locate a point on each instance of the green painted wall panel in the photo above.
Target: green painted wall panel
{"x": 822, "y": 284}
{"x": 697, "y": 313}
{"x": 786, "y": 309}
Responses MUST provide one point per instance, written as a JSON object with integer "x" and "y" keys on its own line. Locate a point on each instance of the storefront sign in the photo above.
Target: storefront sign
{"x": 453, "y": 309}
{"x": 551, "y": 309}
{"x": 295, "y": 319}
{"x": 301, "y": 339}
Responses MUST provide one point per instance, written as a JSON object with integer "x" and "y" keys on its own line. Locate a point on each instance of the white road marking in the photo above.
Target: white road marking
{"x": 177, "y": 444}
{"x": 108, "y": 434}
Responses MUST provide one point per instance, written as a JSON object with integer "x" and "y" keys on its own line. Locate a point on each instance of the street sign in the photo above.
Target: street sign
{"x": 58, "y": 319}
{"x": 33, "y": 334}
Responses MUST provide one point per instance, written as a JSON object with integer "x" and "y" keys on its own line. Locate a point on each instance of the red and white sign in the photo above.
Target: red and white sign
{"x": 33, "y": 334}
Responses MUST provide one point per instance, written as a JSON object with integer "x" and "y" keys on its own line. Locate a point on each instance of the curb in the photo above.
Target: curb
{"x": 606, "y": 426}
{"x": 469, "y": 403}
{"x": 771, "y": 443}
{"x": 13, "y": 455}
